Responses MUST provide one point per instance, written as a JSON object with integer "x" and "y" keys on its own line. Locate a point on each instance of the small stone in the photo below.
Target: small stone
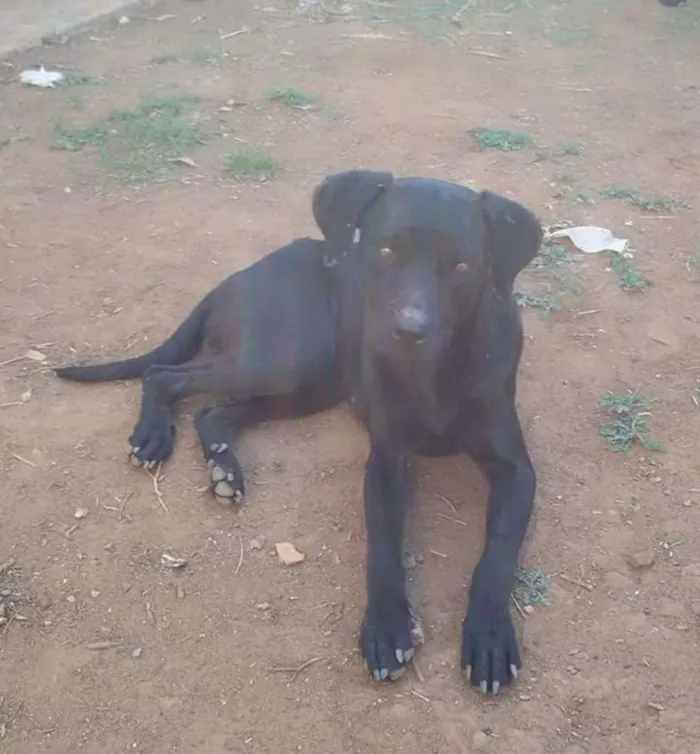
{"x": 71, "y": 598}
{"x": 525, "y": 697}
{"x": 572, "y": 669}
{"x": 81, "y": 513}
{"x": 94, "y": 593}
{"x": 44, "y": 599}
{"x": 256, "y": 543}
{"x": 263, "y": 606}
{"x": 136, "y": 653}
{"x": 641, "y": 558}
{"x": 479, "y": 740}
{"x": 288, "y": 554}
{"x": 528, "y": 609}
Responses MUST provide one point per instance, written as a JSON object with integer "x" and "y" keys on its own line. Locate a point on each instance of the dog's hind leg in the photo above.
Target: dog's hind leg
{"x": 219, "y": 428}
{"x": 153, "y": 438}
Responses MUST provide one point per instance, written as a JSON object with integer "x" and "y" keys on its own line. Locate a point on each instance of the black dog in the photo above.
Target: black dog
{"x": 406, "y": 311}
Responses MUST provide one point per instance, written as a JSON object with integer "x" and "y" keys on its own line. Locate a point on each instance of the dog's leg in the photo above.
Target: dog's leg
{"x": 153, "y": 438}
{"x": 218, "y": 429}
{"x": 490, "y": 655}
{"x": 385, "y": 636}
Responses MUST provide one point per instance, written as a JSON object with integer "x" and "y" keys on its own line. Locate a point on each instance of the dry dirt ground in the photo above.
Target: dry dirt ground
{"x": 106, "y": 247}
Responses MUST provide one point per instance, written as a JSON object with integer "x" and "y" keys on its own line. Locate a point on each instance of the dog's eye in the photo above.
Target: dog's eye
{"x": 461, "y": 267}
{"x": 386, "y": 253}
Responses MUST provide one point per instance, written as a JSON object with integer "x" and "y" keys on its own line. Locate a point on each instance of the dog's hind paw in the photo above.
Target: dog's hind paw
{"x": 225, "y": 475}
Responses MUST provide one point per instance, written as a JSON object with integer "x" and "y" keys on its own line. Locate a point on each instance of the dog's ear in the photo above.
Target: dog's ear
{"x": 339, "y": 203}
{"x": 515, "y": 238}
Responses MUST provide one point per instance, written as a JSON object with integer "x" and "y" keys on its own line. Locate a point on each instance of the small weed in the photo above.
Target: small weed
{"x": 565, "y": 36}
{"x": 629, "y": 278}
{"x": 636, "y": 198}
{"x": 74, "y": 139}
{"x": 531, "y": 586}
{"x": 251, "y": 163}
{"x": 693, "y": 262}
{"x": 627, "y": 421}
{"x": 196, "y": 57}
{"x": 553, "y": 255}
{"x": 556, "y": 151}
{"x": 506, "y": 141}
{"x": 163, "y": 59}
{"x": 75, "y": 79}
{"x": 291, "y": 97}
{"x": 545, "y": 304}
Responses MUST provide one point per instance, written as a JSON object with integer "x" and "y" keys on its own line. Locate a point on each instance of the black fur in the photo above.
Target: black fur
{"x": 406, "y": 311}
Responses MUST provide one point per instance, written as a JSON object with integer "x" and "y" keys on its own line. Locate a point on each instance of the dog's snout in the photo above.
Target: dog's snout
{"x": 411, "y": 324}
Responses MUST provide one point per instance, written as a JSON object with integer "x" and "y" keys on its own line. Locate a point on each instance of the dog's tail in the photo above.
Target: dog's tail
{"x": 181, "y": 346}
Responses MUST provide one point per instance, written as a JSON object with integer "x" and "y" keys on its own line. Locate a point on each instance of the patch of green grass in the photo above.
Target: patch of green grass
{"x": 506, "y": 141}
{"x": 629, "y": 278}
{"x": 291, "y": 97}
{"x": 559, "y": 150}
{"x": 196, "y": 57}
{"x": 74, "y": 139}
{"x": 636, "y": 198}
{"x": 75, "y": 79}
{"x": 626, "y": 421}
{"x": 251, "y": 163}
{"x": 545, "y": 304}
{"x": 139, "y": 144}
{"x": 163, "y": 59}
{"x": 531, "y": 586}
{"x": 565, "y": 36}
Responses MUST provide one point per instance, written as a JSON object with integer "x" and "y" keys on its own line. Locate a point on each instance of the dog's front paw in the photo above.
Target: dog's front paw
{"x": 386, "y": 641}
{"x": 226, "y": 477}
{"x": 151, "y": 442}
{"x": 490, "y": 656}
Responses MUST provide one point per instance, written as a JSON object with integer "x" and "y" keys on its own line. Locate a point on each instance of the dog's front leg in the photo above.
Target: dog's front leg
{"x": 385, "y": 637}
{"x": 490, "y": 655}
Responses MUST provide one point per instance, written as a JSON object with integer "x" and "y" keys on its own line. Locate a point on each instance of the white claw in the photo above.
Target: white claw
{"x": 468, "y": 672}
{"x": 399, "y": 656}
{"x": 484, "y": 686}
{"x": 222, "y": 447}
{"x": 135, "y": 461}
{"x": 496, "y": 687}
{"x": 514, "y": 671}
{"x": 408, "y": 654}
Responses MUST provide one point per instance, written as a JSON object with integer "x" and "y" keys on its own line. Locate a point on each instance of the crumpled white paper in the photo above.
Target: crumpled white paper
{"x": 43, "y": 78}
{"x": 591, "y": 239}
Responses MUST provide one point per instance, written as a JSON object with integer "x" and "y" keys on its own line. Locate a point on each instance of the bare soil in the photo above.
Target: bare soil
{"x": 101, "y": 647}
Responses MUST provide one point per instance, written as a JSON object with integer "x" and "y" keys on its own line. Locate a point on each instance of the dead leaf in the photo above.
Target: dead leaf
{"x": 288, "y": 554}
{"x": 184, "y": 161}
{"x": 35, "y": 355}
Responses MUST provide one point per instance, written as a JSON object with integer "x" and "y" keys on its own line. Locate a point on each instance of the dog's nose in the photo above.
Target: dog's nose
{"x": 411, "y": 324}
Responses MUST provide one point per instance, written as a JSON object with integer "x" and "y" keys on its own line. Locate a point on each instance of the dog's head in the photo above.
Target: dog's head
{"x": 427, "y": 250}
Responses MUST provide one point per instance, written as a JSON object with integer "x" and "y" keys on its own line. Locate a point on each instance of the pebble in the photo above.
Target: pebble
{"x": 81, "y": 513}
{"x": 44, "y": 599}
{"x": 641, "y": 558}
{"x": 137, "y": 653}
{"x": 70, "y": 598}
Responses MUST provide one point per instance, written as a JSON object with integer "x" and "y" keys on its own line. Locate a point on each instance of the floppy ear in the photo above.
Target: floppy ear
{"x": 515, "y": 237}
{"x": 339, "y": 203}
